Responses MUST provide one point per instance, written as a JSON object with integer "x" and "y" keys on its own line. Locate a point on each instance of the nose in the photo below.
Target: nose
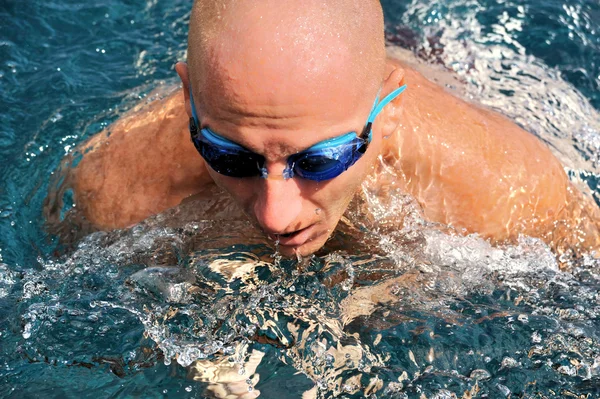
{"x": 278, "y": 205}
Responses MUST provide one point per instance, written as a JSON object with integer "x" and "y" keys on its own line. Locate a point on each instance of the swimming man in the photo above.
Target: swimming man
{"x": 289, "y": 106}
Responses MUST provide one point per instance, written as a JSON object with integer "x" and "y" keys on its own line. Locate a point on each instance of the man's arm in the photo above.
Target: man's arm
{"x": 143, "y": 164}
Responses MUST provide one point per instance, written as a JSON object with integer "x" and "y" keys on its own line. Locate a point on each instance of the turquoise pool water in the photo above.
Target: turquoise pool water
{"x": 124, "y": 314}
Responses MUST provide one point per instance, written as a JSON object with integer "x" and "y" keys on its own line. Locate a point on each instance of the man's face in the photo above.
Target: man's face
{"x": 300, "y": 213}
{"x": 277, "y": 103}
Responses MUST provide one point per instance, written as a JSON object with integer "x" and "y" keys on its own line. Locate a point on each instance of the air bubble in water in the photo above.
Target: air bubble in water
{"x": 347, "y": 388}
{"x": 508, "y": 363}
{"x": 504, "y": 389}
{"x": 568, "y": 370}
{"x": 480, "y": 374}
{"x": 27, "y": 331}
{"x": 56, "y": 117}
{"x": 443, "y": 394}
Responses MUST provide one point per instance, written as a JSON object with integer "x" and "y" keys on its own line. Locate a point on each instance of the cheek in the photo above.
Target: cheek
{"x": 333, "y": 198}
{"x": 342, "y": 189}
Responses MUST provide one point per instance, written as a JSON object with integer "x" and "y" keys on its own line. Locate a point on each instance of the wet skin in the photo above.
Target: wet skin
{"x": 467, "y": 166}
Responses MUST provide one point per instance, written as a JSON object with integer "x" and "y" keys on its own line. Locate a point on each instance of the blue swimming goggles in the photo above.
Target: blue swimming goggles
{"x": 323, "y": 161}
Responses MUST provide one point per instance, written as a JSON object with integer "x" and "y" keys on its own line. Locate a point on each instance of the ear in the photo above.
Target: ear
{"x": 392, "y": 113}
{"x": 394, "y": 80}
{"x": 182, "y": 71}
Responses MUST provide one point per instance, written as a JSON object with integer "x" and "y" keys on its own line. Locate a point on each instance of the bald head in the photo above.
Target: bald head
{"x": 274, "y": 45}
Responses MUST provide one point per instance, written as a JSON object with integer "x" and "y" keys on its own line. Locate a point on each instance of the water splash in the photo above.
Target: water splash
{"x": 499, "y": 72}
{"x": 416, "y": 309}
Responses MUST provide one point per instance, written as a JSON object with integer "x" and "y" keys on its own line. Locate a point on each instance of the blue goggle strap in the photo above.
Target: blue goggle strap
{"x": 193, "y": 106}
{"x": 378, "y": 106}
{"x": 347, "y": 138}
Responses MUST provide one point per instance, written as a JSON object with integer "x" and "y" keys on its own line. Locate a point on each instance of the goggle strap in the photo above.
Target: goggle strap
{"x": 193, "y": 105}
{"x": 378, "y": 106}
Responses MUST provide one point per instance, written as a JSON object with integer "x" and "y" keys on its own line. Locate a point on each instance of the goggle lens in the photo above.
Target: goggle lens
{"x": 230, "y": 160}
{"x": 231, "y": 163}
{"x": 327, "y": 163}
{"x": 318, "y": 168}
{"x": 318, "y": 164}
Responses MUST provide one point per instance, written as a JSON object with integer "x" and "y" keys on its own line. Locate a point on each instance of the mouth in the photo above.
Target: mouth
{"x": 293, "y": 238}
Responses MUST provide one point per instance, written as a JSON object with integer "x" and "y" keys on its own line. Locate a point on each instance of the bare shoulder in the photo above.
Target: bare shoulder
{"x": 142, "y": 164}
{"x": 469, "y": 166}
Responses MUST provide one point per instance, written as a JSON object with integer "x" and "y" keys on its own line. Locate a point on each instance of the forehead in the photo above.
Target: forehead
{"x": 278, "y": 89}
{"x": 282, "y": 77}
